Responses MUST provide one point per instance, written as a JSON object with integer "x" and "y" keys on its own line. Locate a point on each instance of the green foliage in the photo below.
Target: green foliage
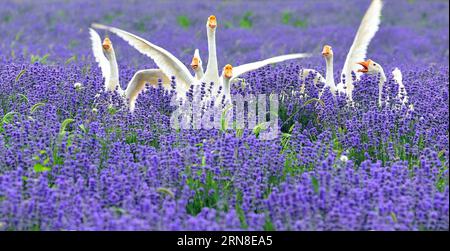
{"x": 394, "y": 217}
{"x": 71, "y": 59}
{"x": 23, "y": 97}
{"x": 64, "y": 124}
{"x": 288, "y": 19}
{"x": 83, "y": 128}
{"x": 39, "y": 59}
{"x": 20, "y": 75}
{"x": 36, "y": 106}
{"x": 7, "y": 118}
{"x": 315, "y": 184}
{"x": 302, "y": 23}
{"x": 42, "y": 164}
{"x": 166, "y": 191}
{"x": 246, "y": 21}
{"x": 112, "y": 110}
{"x": 184, "y": 21}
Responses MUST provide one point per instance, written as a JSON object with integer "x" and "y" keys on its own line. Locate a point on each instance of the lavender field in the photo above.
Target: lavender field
{"x": 72, "y": 156}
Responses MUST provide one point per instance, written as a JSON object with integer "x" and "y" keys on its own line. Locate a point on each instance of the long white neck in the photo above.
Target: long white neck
{"x": 113, "y": 80}
{"x": 226, "y": 88}
{"x": 212, "y": 70}
{"x": 329, "y": 75}
{"x": 199, "y": 72}
{"x": 380, "y": 85}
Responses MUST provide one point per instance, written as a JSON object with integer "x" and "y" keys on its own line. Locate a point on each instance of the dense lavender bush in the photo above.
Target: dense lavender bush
{"x": 73, "y": 158}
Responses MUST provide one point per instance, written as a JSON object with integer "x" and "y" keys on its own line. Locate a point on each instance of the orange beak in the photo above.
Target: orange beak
{"x": 365, "y": 65}
{"x": 195, "y": 63}
{"x": 106, "y": 44}
{"x": 212, "y": 22}
{"x": 228, "y": 71}
{"x": 326, "y": 50}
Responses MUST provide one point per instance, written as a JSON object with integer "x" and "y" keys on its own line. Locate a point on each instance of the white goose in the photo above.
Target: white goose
{"x": 366, "y": 31}
{"x": 372, "y": 67}
{"x": 197, "y": 65}
{"x": 168, "y": 63}
{"x": 105, "y": 56}
{"x": 402, "y": 94}
{"x": 231, "y": 73}
{"x": 172, "y": 66}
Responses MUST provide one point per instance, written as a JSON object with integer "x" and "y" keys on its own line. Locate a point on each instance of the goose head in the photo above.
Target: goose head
{"x": 228, "y": 71}
{"x": 327, "y": 52}
{"x": 107, "y": 47}
{"x": 212, "y": 22}
{"x": 196, "y": 61}
{"x": 370, "y": 67}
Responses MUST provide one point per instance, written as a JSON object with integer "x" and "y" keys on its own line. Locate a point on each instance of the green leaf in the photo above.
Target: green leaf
{"x": 166, "y": 191}
{"x": 83, "y": 128}
{"x": 43, "y": 59}
{"x": 291, "y": 128}
{"x": 394, "y": 217}
{"x": 20, "y": 74}
{"x": 64, "y": 124}
{"x": 184, "y": 21}
{"x": 301, "y": 23}
{"x": 112, "y": 110}
{"x": 286, "y": 17}
{"x": 315, "y": 184}
{"x": 36, "y": 106}
{"x": 258, "y": 128}
{"x": 38, "y": 167}
{"x": 7, "y": 118}
{"x": 71, "y": 59}
{"x": 245, "y": 21}
{"x": 23, "y": 97}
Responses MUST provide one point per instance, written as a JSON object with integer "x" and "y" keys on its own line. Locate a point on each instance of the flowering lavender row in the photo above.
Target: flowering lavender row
{"x": 73, "y": 158}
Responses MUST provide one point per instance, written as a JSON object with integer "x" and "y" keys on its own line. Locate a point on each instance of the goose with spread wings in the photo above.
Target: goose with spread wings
{"x": 366, "y": 31}
{"x": 106, "y": 58}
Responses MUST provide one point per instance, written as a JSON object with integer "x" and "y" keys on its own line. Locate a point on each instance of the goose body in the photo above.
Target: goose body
{"x": 197, "y": 65}
{"x": 168, "y": 63}
{"x": 373, "y": 68}
{"x": 366, "y": 31}
{"x": 105, "y": 56}
{"x": 171, "y": 66}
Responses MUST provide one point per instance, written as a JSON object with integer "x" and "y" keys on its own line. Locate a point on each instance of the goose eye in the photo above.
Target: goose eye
{"x": 374, "y": 64}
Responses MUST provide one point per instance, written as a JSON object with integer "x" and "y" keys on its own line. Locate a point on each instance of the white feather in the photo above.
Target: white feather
{"x": 168, "y": 63}
{"x": 140, "y": 78}
{"x": 402, "y": 93}
{"x": 366, "y": 31}
{"x": 304, "y": 73}
{"x": 398, "y": 77}
{"x": 241, "y": 69}
{"x": 100, "y": 58}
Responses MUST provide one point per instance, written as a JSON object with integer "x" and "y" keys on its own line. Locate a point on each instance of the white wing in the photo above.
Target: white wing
{"x": 304, "y": 73}
{"x": 402, "y": 93}
{"x": 366, "y": 31}
{"x": 168, "y": 63}
{"x": 140, "y": 78}
{"x": 100, "y": 58}
{"x": 398, "y": 77}
{"x": 239, "y": 70}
